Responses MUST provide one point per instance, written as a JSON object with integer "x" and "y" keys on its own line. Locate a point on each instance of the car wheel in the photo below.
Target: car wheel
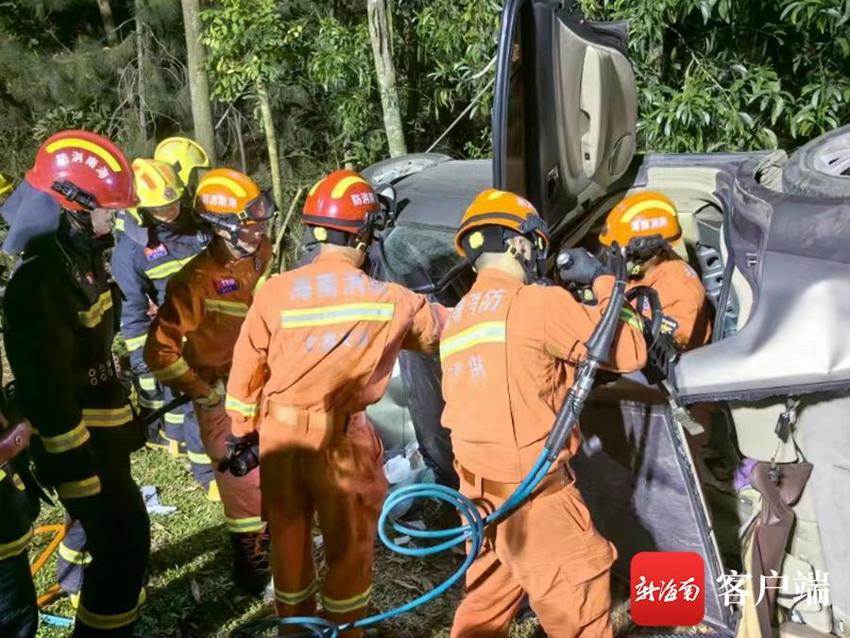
{"x": 820, "y": 168}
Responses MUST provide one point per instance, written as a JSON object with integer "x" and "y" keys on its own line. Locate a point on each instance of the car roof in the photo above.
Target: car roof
{"x": 438, "y": 195}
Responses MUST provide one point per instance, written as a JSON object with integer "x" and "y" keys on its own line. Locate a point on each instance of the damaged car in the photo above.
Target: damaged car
{"x": 740, "y": 453}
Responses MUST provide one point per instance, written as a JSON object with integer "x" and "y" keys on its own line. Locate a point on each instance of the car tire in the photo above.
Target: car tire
{"x": 394, "y": 168}
{"x": 820, "y": 168}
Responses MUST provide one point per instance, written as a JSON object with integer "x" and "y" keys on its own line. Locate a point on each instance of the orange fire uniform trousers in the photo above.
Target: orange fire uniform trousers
{"x": 240, "y": 495}
{"x": 331, "y": 465}
{"x": 549, "y": 549}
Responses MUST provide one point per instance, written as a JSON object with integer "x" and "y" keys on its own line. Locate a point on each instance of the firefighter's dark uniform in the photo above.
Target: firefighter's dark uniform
{"x": 18, "y": 611}
{"x": 143, "y": 261}
{"x": 60, "y": 312}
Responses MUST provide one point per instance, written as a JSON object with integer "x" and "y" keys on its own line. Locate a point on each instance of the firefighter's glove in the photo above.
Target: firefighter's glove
{"x": 212, "y": 399}
{"x": 242, "y": 456}
{"x": 578, "y": 266}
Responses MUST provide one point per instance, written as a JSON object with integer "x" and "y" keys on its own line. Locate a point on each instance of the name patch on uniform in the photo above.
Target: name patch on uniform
{"x": 226, "y": 285}
{"x": 155, "y": 252}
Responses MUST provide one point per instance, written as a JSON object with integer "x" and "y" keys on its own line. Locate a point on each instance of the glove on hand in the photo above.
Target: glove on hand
{"x": 578, "y": 266}
{"x": 243, "y": 454}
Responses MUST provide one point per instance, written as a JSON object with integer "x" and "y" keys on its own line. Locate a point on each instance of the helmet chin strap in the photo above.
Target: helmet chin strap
{"x": 531, "y": 267}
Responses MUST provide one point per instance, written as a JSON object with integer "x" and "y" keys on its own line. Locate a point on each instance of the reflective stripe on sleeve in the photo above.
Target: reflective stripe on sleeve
{"x": 248, "y": 410}
{"x": 13, "y": 548}
{"x": 175, "y": 418}
{"x": 231, "y": 308}
{"x": 167, "y": 269}
{"x": 172, "y": 371}
{"x": 91, "y": 317}
{"x": 68, "y": 441}
{"x": 148, "y": 384}
{"x": 73, "y": 556}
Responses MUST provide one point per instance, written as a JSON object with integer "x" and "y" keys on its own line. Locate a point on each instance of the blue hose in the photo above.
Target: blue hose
{"x": 472, "y": 531}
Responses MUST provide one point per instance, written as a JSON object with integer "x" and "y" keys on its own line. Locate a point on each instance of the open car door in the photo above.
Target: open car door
{"x": 565, "y": 107}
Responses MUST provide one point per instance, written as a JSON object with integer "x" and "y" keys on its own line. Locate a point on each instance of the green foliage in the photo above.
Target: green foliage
{"x": 723, "y": 75}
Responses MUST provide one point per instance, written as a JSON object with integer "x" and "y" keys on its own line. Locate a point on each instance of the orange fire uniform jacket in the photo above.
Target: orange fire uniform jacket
{"x": 323, "y": 338}
{"x": 205, "y": 303}
{"x": 687, "y": 314}
{"x": 508, "y": 353}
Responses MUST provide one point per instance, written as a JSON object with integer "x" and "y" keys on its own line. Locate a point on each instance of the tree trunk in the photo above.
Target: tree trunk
{"x": 380, "y": 33}
{"x": 108, "y": 21}
{"x": 271, "y": 143}
{"x": 199, "y": 90}
{"x": 237, "y": 123}
{"x": 140, "y": 63}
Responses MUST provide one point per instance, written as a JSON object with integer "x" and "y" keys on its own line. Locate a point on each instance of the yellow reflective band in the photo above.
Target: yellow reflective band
{"x": 638, "y": 208}
{"x": 73, "y": 556}
{"x": 13, "y": 548}
{"x": 228, "y": 183}
{"x": 106, "y": 621}
{"x": 487, "y": 332}
{"x": 3, "y": 474}
{"x": 629, "y": 316}
{"x": 107, "y": 417}
{"x": 151, "y": 404}
{"x": 348, "y": 604}
{"x": 296, "y": 597}
{"x": 166, "y": 270}
{"x": 75, "y": 142}
{"x": 18, "y": 483}
{"x": 329, "y": 315}
{"x": 248, "y": 410}
{"x": 343, "y": 185}
{"x": 68, "y": 441}
{"x": 243, "y": 525}
{"x": 175, "y": 418}
{"x": 119, "y": 223}
{"x": 91, "y": 317}
{"x": 172, "y": 371}
{"x": 148, "y": 383}
{"x": 134, "y": 343}
{"x": 74, "y": 599}
{"x": 199, "y": 458}
{"x": 232, "y": 308}
{"x": 79, "y": 489}
{"x": 173, "y": 447}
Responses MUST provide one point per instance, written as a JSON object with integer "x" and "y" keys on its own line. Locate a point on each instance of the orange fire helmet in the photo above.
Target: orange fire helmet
{"x": 343, "y": 201}
{"x": 493, "y": 207}
{"x": 641, "y": 216}
{"x": 228, "y": 196}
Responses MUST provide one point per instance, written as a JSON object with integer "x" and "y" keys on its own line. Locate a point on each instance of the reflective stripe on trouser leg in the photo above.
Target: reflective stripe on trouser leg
{"x": 112, "y": 581}
{"x": 288, "y": 509}
{"x": 72, "y": 556}
{"x": 201, "y": 463}
{"x": 240, "y": 496}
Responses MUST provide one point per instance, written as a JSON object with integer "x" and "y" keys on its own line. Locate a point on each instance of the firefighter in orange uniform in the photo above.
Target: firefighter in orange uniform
{"x": 509, "y": 351}
{"x": 190, "y": 343}
{"x": 648, "y": 224}
{"x": 319, "y": 345}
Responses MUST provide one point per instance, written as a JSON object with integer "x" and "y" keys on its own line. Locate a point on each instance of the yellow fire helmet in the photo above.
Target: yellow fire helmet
{"x": 184, "y": 155}
{"x": 156, "y": 183}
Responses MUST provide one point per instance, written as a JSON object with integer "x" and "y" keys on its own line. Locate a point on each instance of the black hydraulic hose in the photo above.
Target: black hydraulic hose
{"x": 598, "y": 350}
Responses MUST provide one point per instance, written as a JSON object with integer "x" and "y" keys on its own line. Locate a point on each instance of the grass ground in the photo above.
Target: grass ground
{"x": 190, "y": 595}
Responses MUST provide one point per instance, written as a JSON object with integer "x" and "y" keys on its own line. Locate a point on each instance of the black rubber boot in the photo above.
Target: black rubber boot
{"x": 251, "y": 571}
